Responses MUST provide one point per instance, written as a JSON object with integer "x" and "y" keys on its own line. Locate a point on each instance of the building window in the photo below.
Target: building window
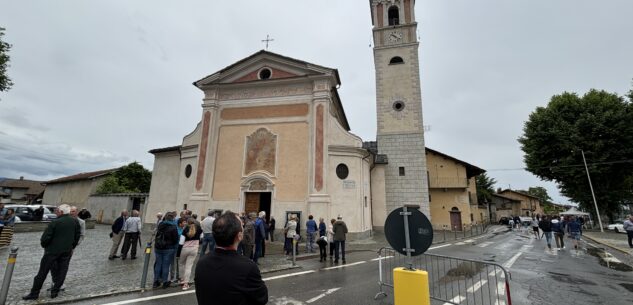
{"x": 342, "y": 171}
{"x": 265, "y": 73}
{"x": 401, "y": 170}
{"x": 188, "y": 170}
{"x": 398, "y": 105}
{"x": 396, "y": 60}
{"x": 394, "y": 15}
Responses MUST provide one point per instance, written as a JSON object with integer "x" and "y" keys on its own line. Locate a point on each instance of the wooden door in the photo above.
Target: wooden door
{"x": 251, "y": 203}
{"x": 456, "y": 220}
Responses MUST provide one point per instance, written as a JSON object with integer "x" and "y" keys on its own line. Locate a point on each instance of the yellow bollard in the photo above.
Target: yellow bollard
{"x": 411, "y": 287}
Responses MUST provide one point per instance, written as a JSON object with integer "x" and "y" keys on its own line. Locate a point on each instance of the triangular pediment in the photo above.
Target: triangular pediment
{"x": 250, "y": 69}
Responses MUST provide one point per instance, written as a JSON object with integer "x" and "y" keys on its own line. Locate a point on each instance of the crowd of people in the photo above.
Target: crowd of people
{"x": 552, "y": 226}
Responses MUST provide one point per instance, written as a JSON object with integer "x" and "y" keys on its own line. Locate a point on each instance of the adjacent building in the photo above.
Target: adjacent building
{"x": 75, "y": 189}
{"x": 20, "y": 191}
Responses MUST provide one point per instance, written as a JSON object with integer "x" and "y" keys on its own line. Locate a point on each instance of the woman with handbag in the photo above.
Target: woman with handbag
{"x": 191, "y": 237}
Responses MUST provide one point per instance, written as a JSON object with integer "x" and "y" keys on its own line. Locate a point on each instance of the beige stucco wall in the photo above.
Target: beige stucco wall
{"x": 73, "y": 192}
{"x": 291, "y": 179}
{"x": 442, "y": 201}
{"x": 445, "y": 172}
{"x": 164, "y": 187}
{"x": 378, "y": 201}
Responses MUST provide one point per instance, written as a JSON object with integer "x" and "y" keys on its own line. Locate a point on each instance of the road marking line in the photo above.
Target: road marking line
{"x": 287, "y": 275}
{"x": 511, "y": 262}
{"x": 476, "y": 287}
{"x": 342, "y": 266}
{"x": 440, "y": 246}
{"x": 485, "y": 244}
{"x": 500, "y": 302}
{"x": 501, "y": 288}
{"x": 162, "y": 296}
{"x": 379, "y": 258}
{"x": 456, "y": 300}
{"x": 330, "y": 291}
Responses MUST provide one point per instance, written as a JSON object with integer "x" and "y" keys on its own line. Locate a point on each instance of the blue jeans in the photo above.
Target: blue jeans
{"x": 209, "y": 241}
{"x": 164, "y": 258}
{"x": 310, "y": 241}
{"x": 548, "y": 237}
{"x": 339, "y": 245}
{"x": 258, "y": 249}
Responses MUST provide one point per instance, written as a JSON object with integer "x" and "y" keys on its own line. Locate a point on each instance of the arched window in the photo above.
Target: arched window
{"x": 393, "y": 15}
{"x": 396, "y": 60}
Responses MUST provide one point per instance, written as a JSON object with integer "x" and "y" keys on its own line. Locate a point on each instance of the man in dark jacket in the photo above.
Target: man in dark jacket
{"x": 165, "y": 246}
{"x": 340, "y": 229}
{"x": 58, "y": 240}
{"x": 117, "y": 234}
{"x": 227, "y": 278}
{"x": 546, "y": 225}
{"x": 84, "y": 214}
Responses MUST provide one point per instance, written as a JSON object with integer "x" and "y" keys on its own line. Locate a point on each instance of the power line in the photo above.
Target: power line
{"x": 562, "y": 166}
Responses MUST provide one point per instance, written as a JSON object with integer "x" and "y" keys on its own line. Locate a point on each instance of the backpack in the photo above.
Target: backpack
{"x": 159, "y": 239}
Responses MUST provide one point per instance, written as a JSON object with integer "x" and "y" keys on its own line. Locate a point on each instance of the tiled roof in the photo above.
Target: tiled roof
{"x": 165, "y": 149}
{"x": 519, "y": 193}
{"x": 506, "y": 197}
{"x": 33, "y": 187}
{"x": 82, "y": 176}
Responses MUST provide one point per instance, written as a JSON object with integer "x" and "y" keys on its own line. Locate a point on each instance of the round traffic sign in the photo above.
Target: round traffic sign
{"x": 420, "y": 231}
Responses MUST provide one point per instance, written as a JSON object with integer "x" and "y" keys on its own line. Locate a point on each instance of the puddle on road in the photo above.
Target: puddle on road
{"x": 601, "y": 255}
{"x": 568, "y": 278}
{"x": 628, "y": 286}
{"x": 462, "y": 271}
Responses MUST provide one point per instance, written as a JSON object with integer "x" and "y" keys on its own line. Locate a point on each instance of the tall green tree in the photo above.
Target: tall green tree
{"x": 600, "y": 125}
{"x": 5, "y": 81}
{"x": 132, "y": 178}
{"x": 485, "y": 188}
{"x": 540, "y": 192}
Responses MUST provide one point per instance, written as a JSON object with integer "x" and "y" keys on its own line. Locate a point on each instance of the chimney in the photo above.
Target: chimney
{"x": 21, "y": 177}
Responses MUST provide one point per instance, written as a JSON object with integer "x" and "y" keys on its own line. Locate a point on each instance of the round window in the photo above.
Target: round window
{"x": 265, "y": 73}
{"x": 188, "y": 170}
{"x": 398, "y": 105}
{"x": 342, "y": 171}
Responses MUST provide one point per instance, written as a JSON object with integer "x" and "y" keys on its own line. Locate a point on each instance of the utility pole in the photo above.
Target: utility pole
{"x": 592, "y": 194}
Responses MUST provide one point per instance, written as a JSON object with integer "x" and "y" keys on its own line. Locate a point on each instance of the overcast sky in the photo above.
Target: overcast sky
{"x": 99, "y": 83}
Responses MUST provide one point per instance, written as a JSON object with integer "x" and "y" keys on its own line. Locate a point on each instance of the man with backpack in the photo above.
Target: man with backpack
{"x": 165, "y": 244}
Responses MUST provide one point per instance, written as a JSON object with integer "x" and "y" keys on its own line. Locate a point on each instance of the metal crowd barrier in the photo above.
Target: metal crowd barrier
{"x": 451, "y": 280}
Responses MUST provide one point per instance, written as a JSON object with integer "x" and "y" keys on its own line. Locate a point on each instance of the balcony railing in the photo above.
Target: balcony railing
{"x": 448, "y": 182}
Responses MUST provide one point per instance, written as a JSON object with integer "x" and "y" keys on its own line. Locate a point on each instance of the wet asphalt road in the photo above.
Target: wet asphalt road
{"x": 539, "y": 276}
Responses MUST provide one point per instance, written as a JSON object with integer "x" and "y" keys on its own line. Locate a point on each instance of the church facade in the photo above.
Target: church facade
{"x": 273, "y": 136}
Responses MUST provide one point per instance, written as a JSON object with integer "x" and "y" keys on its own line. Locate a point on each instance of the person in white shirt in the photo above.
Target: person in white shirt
{"x": 82, "y": 223}
{"x": 207, "y": 233}
{"x": 132, "y": 229}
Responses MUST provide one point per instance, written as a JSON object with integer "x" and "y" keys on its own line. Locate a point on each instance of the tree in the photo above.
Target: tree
{"x": 5, "y": 81}
{"x": 598, "y": 124}
{"x": 132, "y": 178}
{"x": 540, "y": 192}
{"x": 485, "y": 188}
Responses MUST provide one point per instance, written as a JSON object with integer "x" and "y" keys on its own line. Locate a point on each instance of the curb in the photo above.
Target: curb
{"x": 608, "y": 245}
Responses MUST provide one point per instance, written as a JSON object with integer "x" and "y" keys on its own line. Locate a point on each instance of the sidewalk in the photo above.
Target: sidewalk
{"x": 615, "y": 241}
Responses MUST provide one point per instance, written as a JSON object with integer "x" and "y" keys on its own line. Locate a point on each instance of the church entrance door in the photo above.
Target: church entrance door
{"x": 456, "y": 220}
{"x": 258, "y": 201}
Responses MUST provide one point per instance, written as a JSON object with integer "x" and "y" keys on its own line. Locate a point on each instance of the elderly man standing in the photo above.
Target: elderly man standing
{"x": 628, "y": 227}
{"x": 132, "y": 229}
{"x": 117, "y": 234}
{"x": 340, "y": 230}
{"x": 58, "y": 240}
{"x": 207, "y": 231}
{"x": 74, "y": 212}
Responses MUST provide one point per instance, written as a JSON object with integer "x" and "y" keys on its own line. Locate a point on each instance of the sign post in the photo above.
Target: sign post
{"x": 410, "y": 233}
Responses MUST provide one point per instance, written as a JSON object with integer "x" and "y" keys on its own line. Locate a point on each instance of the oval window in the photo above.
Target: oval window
{"x": 342, "y": 171}
{"x": 188, "y": 170}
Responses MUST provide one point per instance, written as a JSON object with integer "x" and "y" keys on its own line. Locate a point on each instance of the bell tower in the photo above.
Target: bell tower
{"x": 400, "y": 133}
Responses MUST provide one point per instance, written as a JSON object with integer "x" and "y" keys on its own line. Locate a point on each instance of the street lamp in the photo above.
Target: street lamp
{"x": 592, "y": 194}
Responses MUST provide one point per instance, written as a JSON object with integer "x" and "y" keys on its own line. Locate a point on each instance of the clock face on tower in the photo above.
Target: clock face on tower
{"x": 394, "y": 36}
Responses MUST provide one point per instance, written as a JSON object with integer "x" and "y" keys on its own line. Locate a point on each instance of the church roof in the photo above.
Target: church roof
{"x": 263, "y": 53}
{"x": 165, "y": 149}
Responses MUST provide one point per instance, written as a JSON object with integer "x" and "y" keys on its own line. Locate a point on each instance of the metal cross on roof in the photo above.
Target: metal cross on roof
{"x": 267, "y": 40}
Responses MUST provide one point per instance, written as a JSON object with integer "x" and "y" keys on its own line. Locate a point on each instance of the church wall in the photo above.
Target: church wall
{"x": 337, "y": 135}
{"x": 164, "y": 186}
{"x": 186, "y": 185}
{"x": 291, "y": 165}
{"x": 348, "y": 195}
{"x": 378, "y": 201}
{"x": 442, "y": 201}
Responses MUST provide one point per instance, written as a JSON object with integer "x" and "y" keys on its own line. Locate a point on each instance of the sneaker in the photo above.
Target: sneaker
{"x": 185, "y": 286}
{"x": 166, "y": 285}
{"x": 30, "y": 296}
{"x": 156, "y": 284}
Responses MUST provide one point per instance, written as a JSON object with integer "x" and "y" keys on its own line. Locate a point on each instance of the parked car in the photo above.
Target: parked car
{"x": 504, "y": 221}
{"x": 25, "y": 212}
{"x": 617, "y": 227}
